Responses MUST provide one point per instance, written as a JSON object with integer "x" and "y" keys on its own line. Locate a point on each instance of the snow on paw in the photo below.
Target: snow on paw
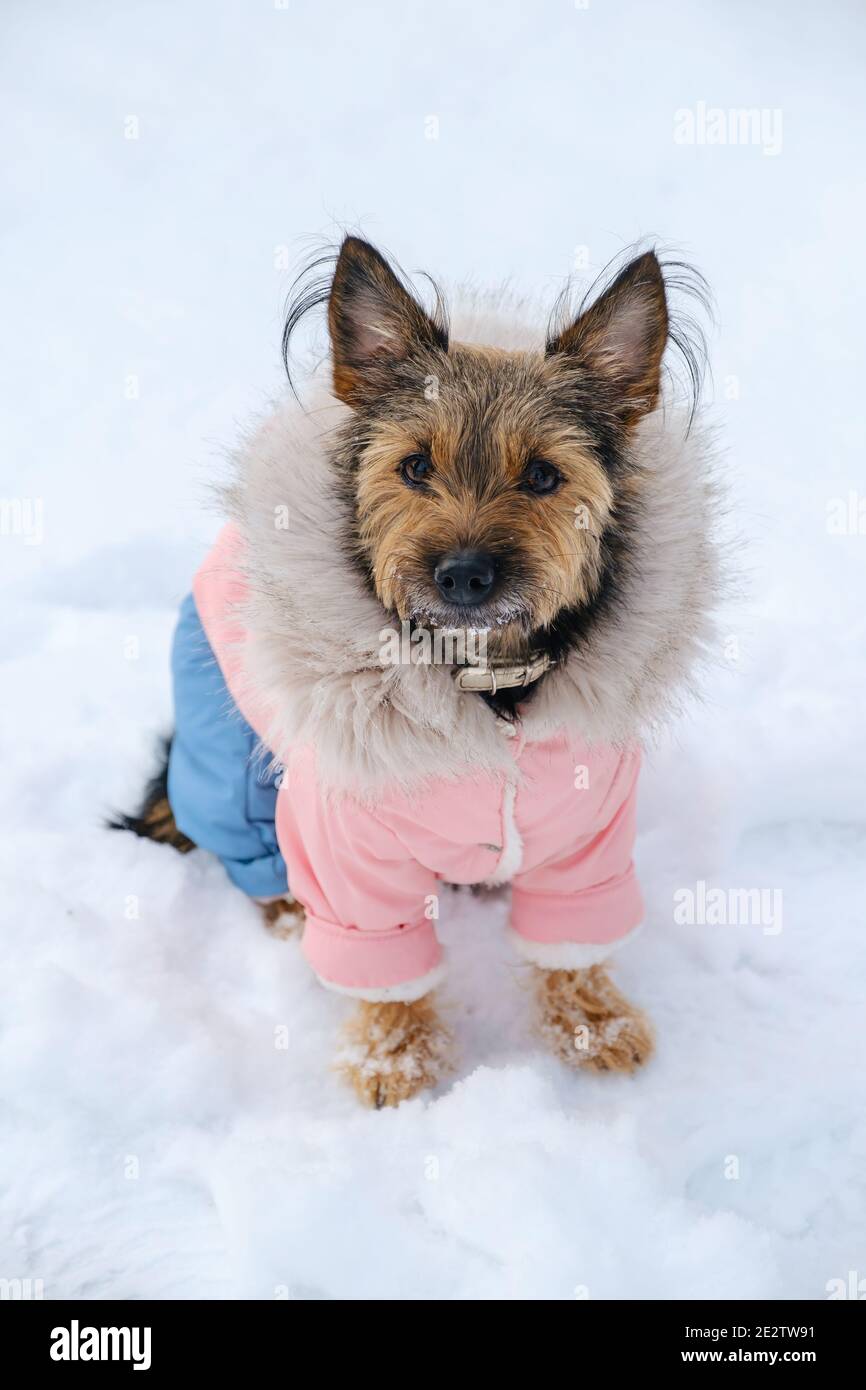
{"x": 283, "y": 917}
{"x": 392, "y": 1051}
{"x": 587, "y": 1022}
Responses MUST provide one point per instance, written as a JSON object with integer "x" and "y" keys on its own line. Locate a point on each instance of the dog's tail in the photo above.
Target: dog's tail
{"x": 154, "y": 819}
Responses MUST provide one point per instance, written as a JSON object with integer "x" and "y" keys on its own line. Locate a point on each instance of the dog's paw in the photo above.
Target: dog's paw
{"x": 588, "y": 1023}
{"x": 392, "y": 1051}
{"x": 283, "y": 917}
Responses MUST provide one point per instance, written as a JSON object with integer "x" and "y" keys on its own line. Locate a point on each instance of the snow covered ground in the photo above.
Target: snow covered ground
{"x": 164, "y": 164}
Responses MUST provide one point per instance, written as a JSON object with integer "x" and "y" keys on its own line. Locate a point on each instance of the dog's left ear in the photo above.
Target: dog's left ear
{"x": 621, "y": 338}
{"x": 374, "y": 323}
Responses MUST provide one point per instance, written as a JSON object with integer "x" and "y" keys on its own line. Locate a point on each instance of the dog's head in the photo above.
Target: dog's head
{"x": 485, "y": 481}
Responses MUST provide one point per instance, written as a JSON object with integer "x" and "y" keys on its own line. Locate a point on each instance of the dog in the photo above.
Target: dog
{"x": 457, "y": 592}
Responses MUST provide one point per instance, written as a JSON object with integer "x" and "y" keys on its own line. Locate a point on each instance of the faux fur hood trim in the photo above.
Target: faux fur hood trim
{"x": 314, "y": 629}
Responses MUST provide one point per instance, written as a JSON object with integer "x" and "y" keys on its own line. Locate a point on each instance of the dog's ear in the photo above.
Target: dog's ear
{"x": 374, "y": 323}
{"x": 621, "y": 338}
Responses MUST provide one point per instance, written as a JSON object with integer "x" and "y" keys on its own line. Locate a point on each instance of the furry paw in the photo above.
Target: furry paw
{"x": 393, "y": 1051}
{"x": 283, "y": 917}
{"x": 588, "y": 1023}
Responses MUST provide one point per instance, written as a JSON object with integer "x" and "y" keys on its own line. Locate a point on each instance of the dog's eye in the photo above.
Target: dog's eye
{"x": 415, "y": 470}
{"x": 540, "y": 477}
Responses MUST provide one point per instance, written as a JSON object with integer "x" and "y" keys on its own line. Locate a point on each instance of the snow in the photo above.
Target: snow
{"x": 170, "y": 1123}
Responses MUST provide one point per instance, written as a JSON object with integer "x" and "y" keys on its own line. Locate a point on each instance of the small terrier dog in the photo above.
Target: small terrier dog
{"x": 539, "y": 497}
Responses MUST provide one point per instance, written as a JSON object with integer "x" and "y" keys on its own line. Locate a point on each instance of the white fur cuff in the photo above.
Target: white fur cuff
{"x": 567, "y": 955}
{"x": 405, "y": 993}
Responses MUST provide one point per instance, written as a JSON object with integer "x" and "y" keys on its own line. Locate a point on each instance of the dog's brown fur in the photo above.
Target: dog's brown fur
{"x": 283, "y": 917}
{"x": 393, "y": 1051}
{"x": 396, "y": 1050}
{"x": 482, "y": 417}
{"x": 588, "y": 1023}
{"x": 154, "y": 819}
{"x": 158, "y": 823}
{"x": 552, "y": 560}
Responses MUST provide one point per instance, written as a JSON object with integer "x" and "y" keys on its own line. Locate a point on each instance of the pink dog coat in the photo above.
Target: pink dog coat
{"x": 557, "y": 820}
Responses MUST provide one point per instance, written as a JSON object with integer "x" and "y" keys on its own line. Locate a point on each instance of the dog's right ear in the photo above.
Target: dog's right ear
{"x": 621, "y": 338}
{"x": 374, "y": 323}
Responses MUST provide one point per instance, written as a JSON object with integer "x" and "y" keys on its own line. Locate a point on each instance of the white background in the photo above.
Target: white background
{"x": 155, "y": 1141}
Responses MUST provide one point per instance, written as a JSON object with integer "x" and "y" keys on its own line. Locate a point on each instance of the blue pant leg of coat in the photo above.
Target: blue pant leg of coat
{"x": 220, "y": 791}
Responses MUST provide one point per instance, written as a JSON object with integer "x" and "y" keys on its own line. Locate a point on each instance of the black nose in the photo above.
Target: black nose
{"x": 465, "y": 576}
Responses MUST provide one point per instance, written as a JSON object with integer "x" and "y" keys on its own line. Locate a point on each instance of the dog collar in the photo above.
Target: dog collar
{"x": 493, "y": 678}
